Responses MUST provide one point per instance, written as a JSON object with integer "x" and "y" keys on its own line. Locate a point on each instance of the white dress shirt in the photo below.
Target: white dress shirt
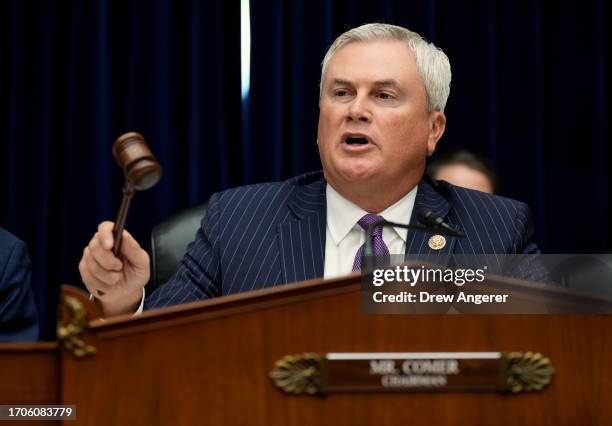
{"x": 344, "y": 235}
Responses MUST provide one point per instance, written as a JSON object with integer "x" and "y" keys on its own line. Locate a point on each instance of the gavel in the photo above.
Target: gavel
{"x": 141, "y": 171}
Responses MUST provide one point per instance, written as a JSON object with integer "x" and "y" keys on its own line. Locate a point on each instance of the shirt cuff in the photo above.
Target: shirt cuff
{"x": 140, "y": 307}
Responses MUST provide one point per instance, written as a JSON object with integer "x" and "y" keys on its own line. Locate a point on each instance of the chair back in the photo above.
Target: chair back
{"x": 169, "y": 241}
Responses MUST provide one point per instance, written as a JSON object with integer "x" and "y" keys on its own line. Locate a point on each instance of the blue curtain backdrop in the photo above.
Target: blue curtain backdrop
{"x": 529, "y": 91}
{"x": 80, "y": 73}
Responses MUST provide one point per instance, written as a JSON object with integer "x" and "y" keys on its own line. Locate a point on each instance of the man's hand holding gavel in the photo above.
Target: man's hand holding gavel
{"x": 114, "y": 267}
{"x": 116, "y": 281}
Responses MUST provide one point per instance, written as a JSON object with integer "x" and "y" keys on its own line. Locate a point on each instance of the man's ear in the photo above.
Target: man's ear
{"x": 437, "y": 125}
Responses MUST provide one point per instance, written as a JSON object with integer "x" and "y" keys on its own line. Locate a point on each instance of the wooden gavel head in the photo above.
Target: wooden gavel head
{"x": 137, "y": 161}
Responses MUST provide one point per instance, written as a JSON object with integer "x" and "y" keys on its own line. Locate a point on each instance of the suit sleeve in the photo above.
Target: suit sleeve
{"x": 18, "y": 318}
{"x": 198, "y": 276}
{"x": 525, "y": 263}
{"x": 523, "y": 222}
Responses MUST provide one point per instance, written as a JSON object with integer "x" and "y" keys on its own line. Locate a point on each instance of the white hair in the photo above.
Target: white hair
{"x": 432, "y": 63}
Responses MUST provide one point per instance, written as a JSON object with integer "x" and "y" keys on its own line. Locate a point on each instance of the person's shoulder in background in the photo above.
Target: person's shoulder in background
{"x": 18, "y": 318}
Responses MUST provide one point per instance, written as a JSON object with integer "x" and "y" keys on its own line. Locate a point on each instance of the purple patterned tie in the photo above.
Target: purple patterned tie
{"x": 378, "y": 245}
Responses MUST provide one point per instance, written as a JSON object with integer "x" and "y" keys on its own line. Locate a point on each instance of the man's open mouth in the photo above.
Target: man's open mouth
{"x": 356, "y": 140}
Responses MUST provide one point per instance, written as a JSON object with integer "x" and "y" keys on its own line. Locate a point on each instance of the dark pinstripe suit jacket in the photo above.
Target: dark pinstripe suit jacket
{"x": 274, "y": 233}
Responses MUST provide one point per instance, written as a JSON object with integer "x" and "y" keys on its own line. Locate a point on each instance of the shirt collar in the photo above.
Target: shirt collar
{"x": 342, "y": 214}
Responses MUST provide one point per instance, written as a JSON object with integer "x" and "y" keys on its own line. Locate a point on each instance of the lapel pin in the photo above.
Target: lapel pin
{"x": 437, "y": 242}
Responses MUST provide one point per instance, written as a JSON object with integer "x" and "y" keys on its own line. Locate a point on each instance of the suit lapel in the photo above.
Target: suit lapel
{"x": 302, "y": 237}
{"x": 417, "y": 242}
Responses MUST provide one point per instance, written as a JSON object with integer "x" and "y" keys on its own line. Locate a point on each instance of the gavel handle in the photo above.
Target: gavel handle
{"x": 128, "y": 192}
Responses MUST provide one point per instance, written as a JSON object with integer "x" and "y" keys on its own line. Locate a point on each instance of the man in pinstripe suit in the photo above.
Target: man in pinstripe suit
{"x": 382, "y": 98}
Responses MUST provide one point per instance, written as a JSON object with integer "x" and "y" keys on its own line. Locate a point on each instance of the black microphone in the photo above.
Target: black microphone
{"x": 429, "y": 219}
{"x": 429, "y": 223}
